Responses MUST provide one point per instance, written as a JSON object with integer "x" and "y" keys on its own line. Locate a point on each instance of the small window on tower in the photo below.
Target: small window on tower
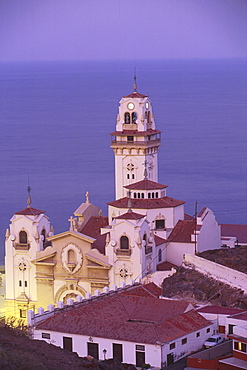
{"x": 160, "y": 224}
{"x": 23, "y": 237}
{"x": 126, "y": 118}
{"x": 25, "y": 283}
{"x": 134, "y": 117}
{"x": 130, "y": 139}
{"x": 20, "y": 283}
{"x": 128, "y": 176}
{"x": 133, "y": 176}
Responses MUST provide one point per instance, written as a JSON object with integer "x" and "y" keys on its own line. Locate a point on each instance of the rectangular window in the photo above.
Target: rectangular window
{"x": 93, "y": 350}
{"x": 198, "y": 334}
{"x": 67, "y": 344}
{"x": 130, "y": 139}
{"x": 117, "y": 350}
{"x": 25, "y": 283}
{"x": 230, "y": 329}
{"x": 46, "y": 335}
{"x": 160, "y": 224}
{"x": 140, "y": 355}
{"x": 239, "y": 346}
{"x": 243, "y": 347}
{"x": 222, "y": 329}
{"x": 184, "y": 341}
{"x": 140, "y": 348}
{"x": 23, "y": 314}
{"x": 172, "y": 345}
{"x": 208, "y": 330}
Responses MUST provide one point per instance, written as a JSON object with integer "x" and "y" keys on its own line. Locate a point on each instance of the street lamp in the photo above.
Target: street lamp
{"x": 104, "y": 353}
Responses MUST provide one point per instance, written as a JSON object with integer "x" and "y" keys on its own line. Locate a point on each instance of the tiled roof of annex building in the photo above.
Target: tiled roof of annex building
{"x": 145, "y": 184}
{"x": 220, "y": 310}
{"x": 182, "y": 231}
{"x": 165, "y": 202}
{"x": 128, "y": 316}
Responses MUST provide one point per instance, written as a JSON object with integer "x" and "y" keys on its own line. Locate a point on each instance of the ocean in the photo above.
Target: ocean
{"x": 55, "y": 120}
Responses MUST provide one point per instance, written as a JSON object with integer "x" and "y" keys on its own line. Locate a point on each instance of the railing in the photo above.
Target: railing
{"x": 123, "y": 252}
{"x": 22, "y": 246}
{"x": 140, "y": 143}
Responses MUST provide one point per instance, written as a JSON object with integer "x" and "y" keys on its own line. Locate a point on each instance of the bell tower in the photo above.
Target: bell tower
{"x": 135, "y": 142}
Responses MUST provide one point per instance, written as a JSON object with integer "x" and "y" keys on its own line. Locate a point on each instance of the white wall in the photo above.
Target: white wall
{"x": 219, "y": 272}
{"x": 152, "y": 352}
{"x": 176, "y": 251}
{"x": 194, "y": 343}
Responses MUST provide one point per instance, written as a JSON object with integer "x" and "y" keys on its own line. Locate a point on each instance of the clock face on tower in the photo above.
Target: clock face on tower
{"x": 131, "y": 106}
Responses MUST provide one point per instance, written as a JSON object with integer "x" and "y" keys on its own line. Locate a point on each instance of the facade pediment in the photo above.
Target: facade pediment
{"x": 68, "y": 234}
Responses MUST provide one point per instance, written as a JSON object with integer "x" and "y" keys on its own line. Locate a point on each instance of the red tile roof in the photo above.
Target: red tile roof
{"x": 239, "y": 231}
{"x": 93, "y": 226}
{"x": 99, "y": 243}
{"x": 135, "y": 94}
{"x": 147, "y": 290}
{"x": 158, "y": 240}
{"x": 145, "y": 185}
{"x": 220, "y": 310}
{"x": 128, "y": 318}
{"x": 148, "y": 132}
{"x": 130, "y": 216}
{"x": 166, "y": 266}
{"x": 165, "y": 202}
{"x": 29, "y": 211}
{"x": 182, "y": 231}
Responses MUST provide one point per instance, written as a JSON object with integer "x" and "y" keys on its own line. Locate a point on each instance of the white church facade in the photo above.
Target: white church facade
{"x": 145, "y": 227}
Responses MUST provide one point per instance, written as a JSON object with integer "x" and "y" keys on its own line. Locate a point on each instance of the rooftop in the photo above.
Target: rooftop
{"x": 129, "y": 316}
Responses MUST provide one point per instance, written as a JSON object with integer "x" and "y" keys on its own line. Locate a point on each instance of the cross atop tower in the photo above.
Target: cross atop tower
{"x": 29, "y": 200}
{"x": 135, "y": 84}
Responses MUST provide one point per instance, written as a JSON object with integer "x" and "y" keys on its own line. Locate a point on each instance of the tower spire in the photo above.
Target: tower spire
{"x": 135, "y": 84}
{"x": 29, "y": 200}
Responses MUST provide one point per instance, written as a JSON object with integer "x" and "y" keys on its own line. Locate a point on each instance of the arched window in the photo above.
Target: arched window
{"x": 126, "y": 118}
{"x": 149, "y": 195}
{"x": 134, "y": 117}
{"x": 124, "y": 242}
{"x": 23, "y": 237}
{"x": 152, "y": 195}
{"x": 71, "y": 256}
{"x": 43, "y": 232}
{"x": 160, "y": 255}
{"x": 134, "y": 195}
{"x": 145, "y": 239}
{"x": 142, "y": 195}
{"x": 148, "y": 117}
{"x": 157, "y": 195}
{"x": 139, "y": 195}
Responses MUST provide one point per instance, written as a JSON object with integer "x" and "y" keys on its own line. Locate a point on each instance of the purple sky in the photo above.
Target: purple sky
{"x": 122, "y": 29}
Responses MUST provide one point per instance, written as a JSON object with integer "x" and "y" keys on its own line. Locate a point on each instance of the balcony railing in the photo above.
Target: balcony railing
{"x": 22, "y": 246}
{"x": 145, "y": 143}
{"x": 123, "y": 252}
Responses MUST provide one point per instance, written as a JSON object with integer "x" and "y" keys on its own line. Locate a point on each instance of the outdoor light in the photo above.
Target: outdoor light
{"x": 104, "y": 353}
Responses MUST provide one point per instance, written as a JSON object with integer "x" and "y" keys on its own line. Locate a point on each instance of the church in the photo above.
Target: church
{"x": 145, "y": 231}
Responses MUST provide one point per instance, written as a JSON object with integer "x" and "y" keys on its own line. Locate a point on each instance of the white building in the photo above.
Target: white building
{"x": 145, "y": 227}
{"x": 130, "y": 324}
